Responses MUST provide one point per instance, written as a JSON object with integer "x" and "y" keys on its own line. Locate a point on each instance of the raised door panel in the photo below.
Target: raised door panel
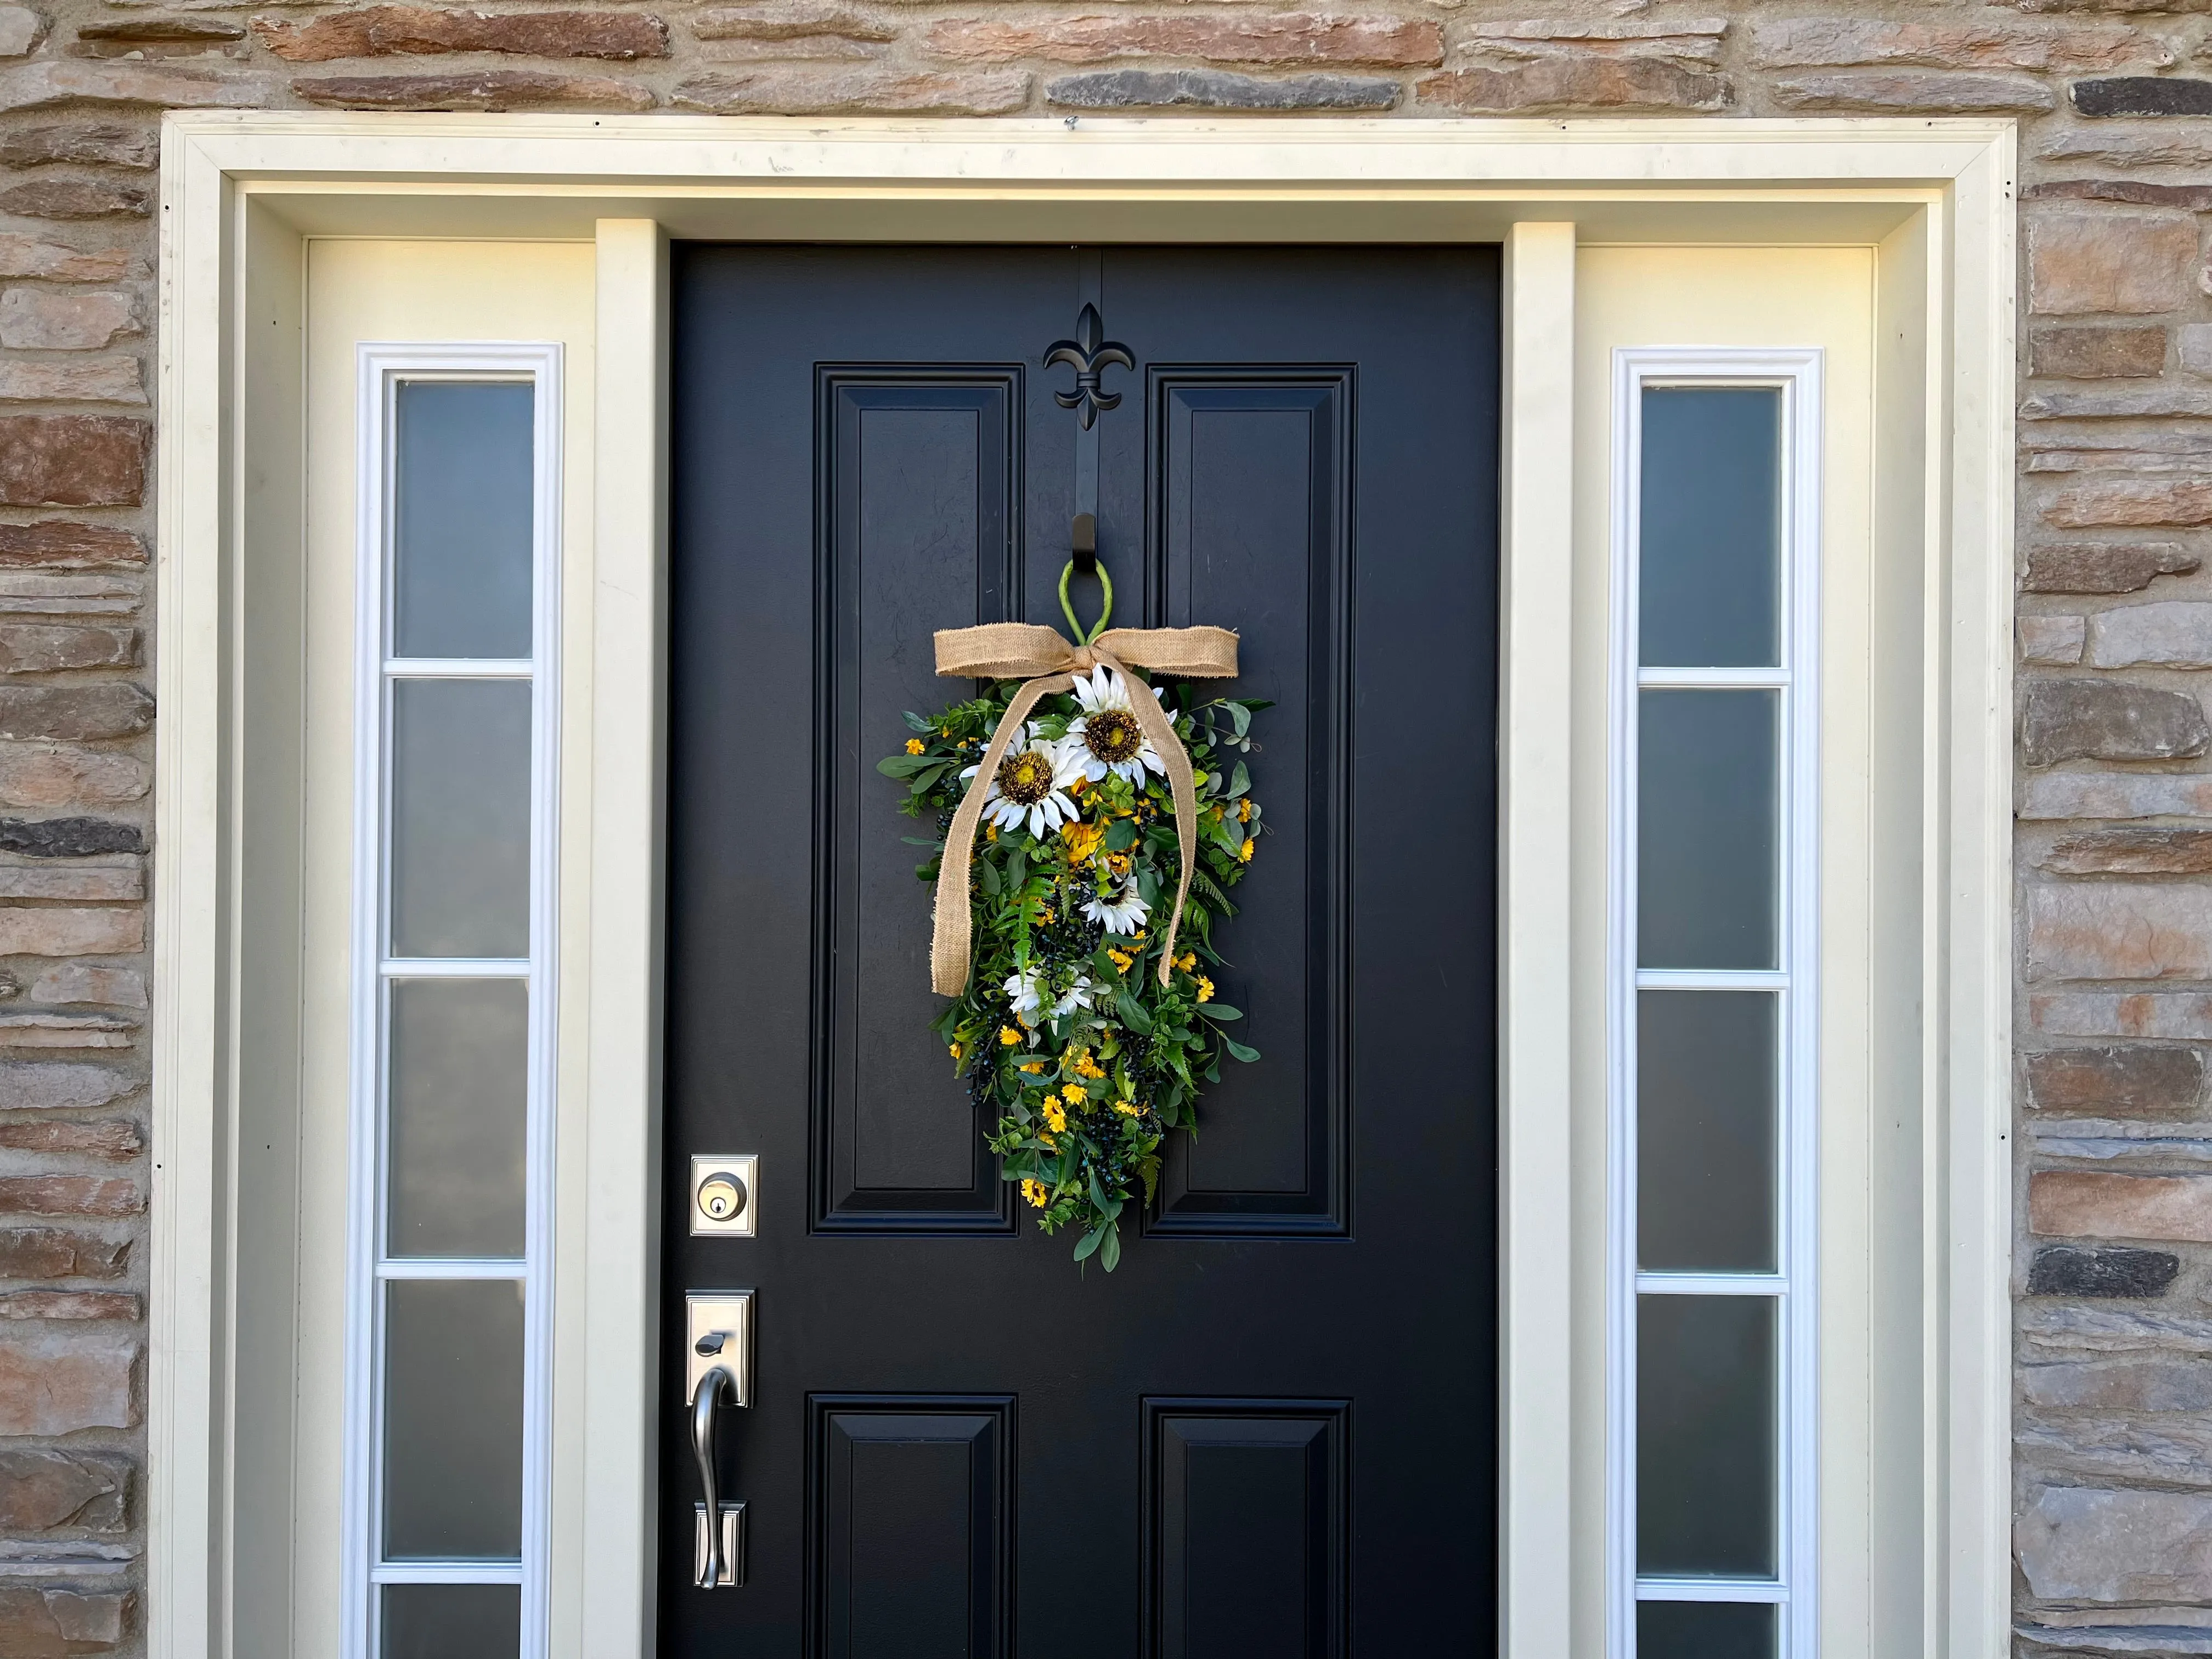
{"x": 1248, "y": 1530}
{"x": 1250, "y": 470}
{"x": 918, "y": 475}
{"x": 913, "y": 1534}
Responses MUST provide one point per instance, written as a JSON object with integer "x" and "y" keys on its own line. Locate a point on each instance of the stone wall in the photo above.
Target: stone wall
{"x": 2115, "y": 99}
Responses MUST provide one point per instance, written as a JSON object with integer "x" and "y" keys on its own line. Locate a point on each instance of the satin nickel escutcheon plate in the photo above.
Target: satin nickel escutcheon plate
{"x": 725, "y": 1194}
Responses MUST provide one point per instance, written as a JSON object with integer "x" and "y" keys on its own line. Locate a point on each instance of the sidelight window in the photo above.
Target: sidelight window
{"x": 1714, "y": 877}
{"x": 448, "y": 1322}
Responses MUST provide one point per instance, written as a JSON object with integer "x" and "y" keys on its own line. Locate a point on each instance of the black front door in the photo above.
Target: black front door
{"x": 1271, "y": 1433}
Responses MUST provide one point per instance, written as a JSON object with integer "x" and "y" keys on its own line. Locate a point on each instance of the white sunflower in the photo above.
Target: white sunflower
{"x": 1030, "y": 786}
{"x": 1118, "y": 909}
{"x": 1106, "y": 737}
{"x": 1025, "y": 996}
{"x": 1076, "y": 995}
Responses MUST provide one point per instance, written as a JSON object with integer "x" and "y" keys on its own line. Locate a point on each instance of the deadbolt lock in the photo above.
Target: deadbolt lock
{"x": 721, "y": 1196}
{"x": 725, "y": 1194}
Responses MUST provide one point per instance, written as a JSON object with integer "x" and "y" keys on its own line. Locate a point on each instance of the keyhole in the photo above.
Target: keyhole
{"x": 722, "y": 1196}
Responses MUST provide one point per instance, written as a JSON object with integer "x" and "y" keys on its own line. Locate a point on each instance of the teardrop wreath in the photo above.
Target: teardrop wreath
{"x": 1114, "y": 818}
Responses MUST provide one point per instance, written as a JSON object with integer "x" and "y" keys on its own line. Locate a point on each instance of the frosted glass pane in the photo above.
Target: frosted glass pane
{"x": 461, "y": 490}
{"x": 1704, "y": 1629}
{"x": 1705, "y": 1130}
{"x": 452, "y": 1621}
{"x": 1707, "y": 824}
{"x": 459, "y": 1051}
{"x": 453, "y": 1419}
{"x": 460, "y": 818}
{"x": 1709, "y": 577}
{"x": 1705, "y": 1435}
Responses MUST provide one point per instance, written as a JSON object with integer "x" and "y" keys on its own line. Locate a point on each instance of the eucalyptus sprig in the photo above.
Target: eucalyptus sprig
{"x": 1065, "y": 1031}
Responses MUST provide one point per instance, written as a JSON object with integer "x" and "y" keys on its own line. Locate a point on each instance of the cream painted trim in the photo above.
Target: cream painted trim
{"x": 618, "y": 1543}
{"x": 1535, "y": 984}
{"x": 240, "y": 189}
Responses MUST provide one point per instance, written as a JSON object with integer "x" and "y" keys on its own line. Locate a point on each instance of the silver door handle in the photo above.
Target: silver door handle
{"x": 717, "y": 1370}
{"x": 713, "y": 1556}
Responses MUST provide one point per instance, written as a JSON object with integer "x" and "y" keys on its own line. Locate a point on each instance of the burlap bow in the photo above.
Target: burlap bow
{"x": 1042, "y": 657}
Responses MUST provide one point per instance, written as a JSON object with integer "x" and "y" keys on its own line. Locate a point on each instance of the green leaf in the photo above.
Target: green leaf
{"x": 1237, "y": 1050}
{"x": 986, "y": 878}
{"x": 904, "y": 766}
{"x": 1017, "y": 868}
{"x": 926, "y": 870}
{"x": 1091, "y": 1240}
{"x": 1239, "y": 716}
{"x": 1240, "y": 781}
{"x": 1219, "y": 1011}
{"x": 1109, "y": 1252}
{"x": 1133, "y": 1016}
{"x": 1121, "y": 835}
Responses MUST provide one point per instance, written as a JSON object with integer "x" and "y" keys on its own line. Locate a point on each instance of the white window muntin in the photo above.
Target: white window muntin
{"x": 1796, "y": 375}
{"x": 382, "y": 369}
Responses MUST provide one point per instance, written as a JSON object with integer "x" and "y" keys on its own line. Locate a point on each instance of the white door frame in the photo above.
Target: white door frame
{"x": 241, "y": 190}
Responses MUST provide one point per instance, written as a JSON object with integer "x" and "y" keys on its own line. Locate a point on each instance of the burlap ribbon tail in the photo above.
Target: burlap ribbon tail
{"x": 1045, "y": 661}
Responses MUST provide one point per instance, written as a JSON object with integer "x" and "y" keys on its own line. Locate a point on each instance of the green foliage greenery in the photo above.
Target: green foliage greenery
{"x": 1064, "y": 1032}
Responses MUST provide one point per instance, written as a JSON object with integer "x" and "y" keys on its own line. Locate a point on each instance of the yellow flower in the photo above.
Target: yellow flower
{"x": 1072, "y": 1092}
{"x": 1032, "y": 1066}
{"x": 1128, "y": 1108}
{"x": 1055, "y": 1119}
{"x": 990, "y": 832}
{"x": 1244, "y": 852}
{"x": 1044, "y": 919}
{"x": 1009, "y": 1035}
{"x": 1120, "y": 959}
{"x": 1187, "y": 961}
{"x": 1118, "y": 863}
{"x": 1086, "y": 1066}
{"x": 1244, "y": 811}
{"x": 955, "y": 1051}
{"x": 1083, "y": 840}
{"x": 914, "y": 746}
{"x": 1205, "y": 988}
{"x": 1048, "y": 1143}
{"x": 1034, "y": 1191}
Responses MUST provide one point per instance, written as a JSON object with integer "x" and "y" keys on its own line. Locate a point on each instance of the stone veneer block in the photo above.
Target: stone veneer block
{"x": 2131, "y": 503}
{"x": 2172, "y": 634}
{"x": 2112, "y": 931}
{"x": 2126, "y": 1385}
{"x": 2143, "y": 95}
{"x": 1199, "y": 89}
{"x": 2128, "y": 263}
{"x": 2063, "y": 1270}
{"x": 2185, "y": 1015}
{"x": 2115, "y": 795}
{"x": 2096, "y": 353}
{"x": 2091, "y": 1544}
{"x": 2116, "y": 1081}
{"x": 2110, "y": 720}
{"x": 2132, "y": 851}
{"x": 2104, "y": 567}
{"x": 54, "y": 1383}
{"x": 380, "y": 30}
{"x": 2052, "y": 642}
{"x": 490, "y": 90}
{"x": 2102, "y": 1204}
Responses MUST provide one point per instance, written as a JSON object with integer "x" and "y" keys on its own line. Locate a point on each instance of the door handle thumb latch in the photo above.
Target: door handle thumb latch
{"x": 718, "y": 1370}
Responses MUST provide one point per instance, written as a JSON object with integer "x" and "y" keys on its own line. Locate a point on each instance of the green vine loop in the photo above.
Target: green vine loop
{"x": 1067, "y": 609}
